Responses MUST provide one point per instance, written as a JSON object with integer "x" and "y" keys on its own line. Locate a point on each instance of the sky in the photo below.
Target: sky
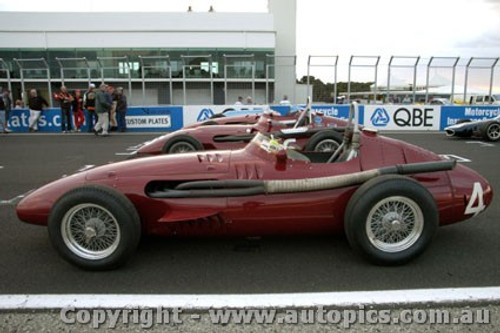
{"x": 425, "y": 28}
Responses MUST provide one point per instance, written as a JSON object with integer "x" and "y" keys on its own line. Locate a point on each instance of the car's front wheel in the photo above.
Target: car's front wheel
{"x": 391, "y": 219}
{"x": 182, "y": 144}
{"x": 492, "y": 132}
{"x": 94, "y": 227}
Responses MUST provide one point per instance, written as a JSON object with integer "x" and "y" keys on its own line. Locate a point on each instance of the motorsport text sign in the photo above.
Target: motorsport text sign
{"x": 154, "y": 118}
{"x": 163, "y": 122}
{"x": 403, "y": 117}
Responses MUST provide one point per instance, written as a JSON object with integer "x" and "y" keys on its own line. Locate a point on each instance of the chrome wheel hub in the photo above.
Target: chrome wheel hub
{"x": 394, "y": 224}
{"x": 181, "y": 147}
{"x": 326, "y": 146}
{"x": 90, "y": 231}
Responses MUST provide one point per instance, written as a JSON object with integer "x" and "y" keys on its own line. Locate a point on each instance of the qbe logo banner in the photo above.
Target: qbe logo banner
{"x": 403, "y": 117}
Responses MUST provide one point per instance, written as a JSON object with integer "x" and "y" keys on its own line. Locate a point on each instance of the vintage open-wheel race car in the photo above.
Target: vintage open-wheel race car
{"x": 308, "y": 130}
{"x": 388, "y": 196}
{"x": 488, "y": 129}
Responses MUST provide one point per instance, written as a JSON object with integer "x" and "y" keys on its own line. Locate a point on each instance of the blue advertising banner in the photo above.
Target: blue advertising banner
{"x": 171, "y": 118}
{"x": 451, "y": 114}
{"x": 49, "y": 121}
{"x": 282, "y": 109}
{"x": 139, "y": 119}
{"x": 338, "y": 111}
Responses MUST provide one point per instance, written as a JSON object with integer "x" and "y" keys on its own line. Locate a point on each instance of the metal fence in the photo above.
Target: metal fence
{"x": 198, "y": 79}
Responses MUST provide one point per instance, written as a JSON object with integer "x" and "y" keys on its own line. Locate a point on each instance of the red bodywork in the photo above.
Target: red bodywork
{"x": 264, "y": 123}
{"x": 247, "y": 119}
{"x": 278, "y": 214}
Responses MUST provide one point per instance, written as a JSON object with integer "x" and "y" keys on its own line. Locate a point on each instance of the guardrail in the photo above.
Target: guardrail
{"x": 170, "y": 118}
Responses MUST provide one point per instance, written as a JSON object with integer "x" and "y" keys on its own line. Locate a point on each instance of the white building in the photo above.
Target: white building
{"x": 159, "y": 58}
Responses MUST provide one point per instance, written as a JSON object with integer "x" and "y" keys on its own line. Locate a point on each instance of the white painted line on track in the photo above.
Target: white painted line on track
{"x": 85, "y": 167}
{"x": 459, "y": 159}
{"x": 125, "y": 154}
{"x": 15, "y": 200}
{"x": 481, "y": 143}
{"x": 288, "y": 300}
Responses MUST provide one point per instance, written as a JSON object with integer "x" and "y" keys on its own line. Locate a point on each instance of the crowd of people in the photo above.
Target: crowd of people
{"x": 106, "y": 109}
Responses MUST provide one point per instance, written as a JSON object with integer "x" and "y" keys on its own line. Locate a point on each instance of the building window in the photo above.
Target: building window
{"x": 206, "y": 67}
{"x": 123, "y": 68}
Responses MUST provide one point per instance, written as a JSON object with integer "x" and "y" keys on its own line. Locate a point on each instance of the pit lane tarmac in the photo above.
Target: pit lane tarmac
{"x": 463, "y": 255}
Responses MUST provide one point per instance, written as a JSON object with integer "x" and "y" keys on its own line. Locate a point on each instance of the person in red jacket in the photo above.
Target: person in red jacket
{"x": 65, "y": 99}
{"x": 78, "y": 114}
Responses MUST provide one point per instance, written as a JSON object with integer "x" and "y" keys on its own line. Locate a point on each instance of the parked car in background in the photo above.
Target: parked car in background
{"x": 485, "y": 99}
{"x": 440, "y": 101}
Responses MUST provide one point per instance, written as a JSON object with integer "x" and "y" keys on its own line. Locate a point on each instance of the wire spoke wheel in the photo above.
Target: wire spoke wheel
{"x": 394, "y": 224}
{"x": 90, "y": 231}
{"x": 326, "y": 146}
{"x": 181, "y": 147}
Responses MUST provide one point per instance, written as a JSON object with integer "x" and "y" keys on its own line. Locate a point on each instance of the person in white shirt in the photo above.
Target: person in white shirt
{"x": 285, "y": 101}
{"x": 239, "y": 101}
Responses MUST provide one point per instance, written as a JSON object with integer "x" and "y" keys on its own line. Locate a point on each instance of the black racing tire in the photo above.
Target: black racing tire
{"x": 492, "y": 132}
{"x": 182, "y": 144}
{"x": 94, "y": 227}
{"x": 324, "y": 141}
{"x": 391, "y": 220}
{"x": 226, "y": 110}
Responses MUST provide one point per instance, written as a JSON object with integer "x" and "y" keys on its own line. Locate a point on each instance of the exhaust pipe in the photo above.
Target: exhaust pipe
{"x": 236, "y": 188}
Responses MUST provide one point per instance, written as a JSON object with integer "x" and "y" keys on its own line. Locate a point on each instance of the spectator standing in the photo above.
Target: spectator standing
{"x": 239, "y": 101}
{"x": 89, "y": 105}
{"x": 407, "y": 100}
{"x": 249, "y": 101}
{"x": 285, "y": 101}
{"x": 19, "y": 104}
{"x": 2, "y": 116}
{"x": 112, "y": 111}
{"x": 35, "y": 104}
{"x": 78, "y": 115}
{"x": 7, "y": 101}
{"x": 65, "y": 99}
{"x": 121, "y": 109}
{"x": 103, "y": 104}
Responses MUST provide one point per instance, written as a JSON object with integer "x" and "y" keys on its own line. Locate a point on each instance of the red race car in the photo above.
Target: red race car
{"x": 388, "y": 196}
{"x": 246, "y": 119}
{"x": 310, "y": 132}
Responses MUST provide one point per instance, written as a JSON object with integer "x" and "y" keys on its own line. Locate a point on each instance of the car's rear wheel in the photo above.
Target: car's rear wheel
{"x": 492, "y": 132}
{"x": 390, "y": 220}
{"x": 182, "y": 144}
{"x": 325, "y": 141}
{"x": 94, "y": 227}
{"x": 326, "y": 145}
